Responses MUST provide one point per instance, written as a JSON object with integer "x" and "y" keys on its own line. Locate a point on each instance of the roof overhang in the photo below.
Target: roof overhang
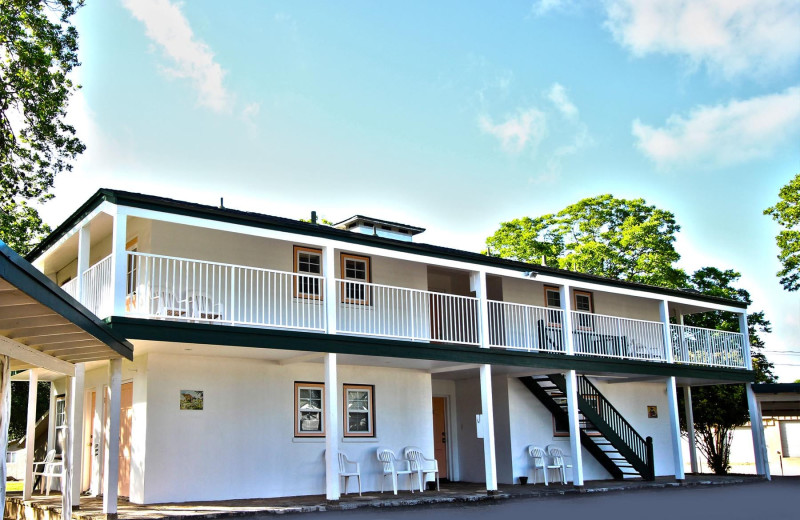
{"x": 42, "y": 326}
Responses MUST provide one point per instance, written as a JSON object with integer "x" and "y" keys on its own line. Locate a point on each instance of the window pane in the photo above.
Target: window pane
{"x": 553, "y": 299}
{"x": 358, "y": 422}
{"x": 583, "y": 303}
{"x": 310, "y": 422}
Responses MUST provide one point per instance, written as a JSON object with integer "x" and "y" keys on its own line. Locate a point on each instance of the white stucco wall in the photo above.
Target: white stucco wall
{"x": 531, "y": 423}
{"x": 242, "y": 444}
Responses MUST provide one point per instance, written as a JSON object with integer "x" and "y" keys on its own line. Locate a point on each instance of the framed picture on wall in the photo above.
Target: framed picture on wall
{"x": 191, "y": 400}
{"x": 652, "y": 412}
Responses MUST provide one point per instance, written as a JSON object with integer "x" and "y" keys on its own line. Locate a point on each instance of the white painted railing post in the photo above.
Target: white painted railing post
{"x": 663, "y": 311}
{"x": 119, "y": 261}
{"x": 111, "y": 458}
{"x": 566, "y": 306}
{"x": 30, "y": 433}
{"x": 76, "y": 427}
{"x": 332, "y": 491}
{"x": 478, "y": 284}
{"x": 84, "y": 251}
{"x": 687, "y": 405}
{"x": 97, "y": 443}
{"x": 756, "y": 422}
{"x": 571, "y": 377}
{"x": 675, "y": 428}
{"x": 329, "y": 292}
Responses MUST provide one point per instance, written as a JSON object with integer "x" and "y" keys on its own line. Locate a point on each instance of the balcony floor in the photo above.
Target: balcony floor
{"x": 49, "y": 508}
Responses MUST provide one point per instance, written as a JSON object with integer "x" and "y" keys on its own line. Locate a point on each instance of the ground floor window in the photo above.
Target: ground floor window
{"x": 359, "y": 411}
{"x": 308, "y": 403}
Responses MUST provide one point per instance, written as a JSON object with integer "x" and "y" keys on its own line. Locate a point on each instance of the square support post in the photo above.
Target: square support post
{"x": 5, "y": 416}
{"x": 329, "y": 292}
{"x": 84, "y": 251}
{"x": 756, "y": 422}
{"x": 332, "y": 491}
{"x": 566, "y": 306}
{"x": 574, "y": 428}
{"x": 663, "y": 311}
{"x": 687, "y": 405}
{"x": 30, "y": 433}
{"x": 119, "y": 263}
{"x": 487, "y": 410}
{"x": 66, "y": 455}
{"x": 76, "y": 429}
{"x": 111, "y": 465}
{"x": 675, "y": 428}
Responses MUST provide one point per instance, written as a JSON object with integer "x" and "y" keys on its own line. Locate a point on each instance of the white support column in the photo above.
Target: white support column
{"x": 30, "y": 433}
{"x": 574, "y": 428}
{"x": 5, "y": 415}
{"x": 95, "y": 486}
{"x": 329, "y": 292}
{"x": 76, "y": 429}
{"x": 663, "y": 311}
{"x": 757, "y": 429}
{"x": 566, "y": 306}
{"x": 487, "y": 412}
{"x": 687, "y": 405}
{"x": 111, "y": 465}
{"x": 675, "y": 428}
{"x": 332, "y": 491}
{"x": 119, "y": 260}
{"x": 66, "y": 455}
{"x": 477, "y": 283}
{"x": 84, "y": 247}
{"x": 756, "y": 423}
{"x": 51, "y": 424}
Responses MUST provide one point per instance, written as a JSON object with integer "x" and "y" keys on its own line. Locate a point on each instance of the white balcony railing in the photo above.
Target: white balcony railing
{"x": 199, "y": 291}
{"x": 698, "y": 346}
{"x": 525, "y": 327}
{"x": 98, "y": 284}
{"x": 71, "y": 288}
{"x": 381, "y": 310}
{"x": 610, "y": 336}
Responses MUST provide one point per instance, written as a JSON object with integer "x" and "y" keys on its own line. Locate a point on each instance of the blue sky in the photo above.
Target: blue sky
{"x": 455, "y": 116}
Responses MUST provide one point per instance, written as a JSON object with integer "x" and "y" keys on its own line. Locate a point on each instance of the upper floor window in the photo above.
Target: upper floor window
{"x": 552, "y": 298}
{"x": 355, "y": 273}
{"x": 307, "y": 261}
{"x": 585, "y": 304}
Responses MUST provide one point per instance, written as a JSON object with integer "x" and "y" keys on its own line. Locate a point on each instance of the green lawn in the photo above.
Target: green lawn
{"x": 13, "y": 485}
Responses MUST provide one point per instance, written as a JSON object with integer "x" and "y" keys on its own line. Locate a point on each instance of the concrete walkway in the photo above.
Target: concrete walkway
{"x": 49, "y": 508}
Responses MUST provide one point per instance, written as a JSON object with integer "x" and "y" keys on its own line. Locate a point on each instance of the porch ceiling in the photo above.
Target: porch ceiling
{"x": 38, "y": 317}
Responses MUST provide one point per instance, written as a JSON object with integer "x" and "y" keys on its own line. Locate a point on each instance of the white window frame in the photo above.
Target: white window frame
{"x": 316, "y": 282}
{"x": 370, "y": 389}
{"x": 365, "y": 300}
{"x": 305, "y": 385}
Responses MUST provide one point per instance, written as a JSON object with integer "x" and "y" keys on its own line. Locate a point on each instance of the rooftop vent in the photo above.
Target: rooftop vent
{"x": 378, "y": 227}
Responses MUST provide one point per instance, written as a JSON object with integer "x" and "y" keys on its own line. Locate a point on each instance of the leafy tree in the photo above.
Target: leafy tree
{"x": 787, "y": 213}
{"x": 37, "y": 52}
{"x": 719, "y": 409}
{"x": 21, "y": 227}
{"x": 605, "y": 236}
{"x": 18, "y": 420}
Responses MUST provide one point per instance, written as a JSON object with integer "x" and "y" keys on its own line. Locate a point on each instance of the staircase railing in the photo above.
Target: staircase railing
{"x": 614, "y": 427}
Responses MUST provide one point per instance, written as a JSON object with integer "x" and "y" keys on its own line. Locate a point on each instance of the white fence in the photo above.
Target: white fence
{"x": 380, "y": 310}
{"x": 698, "y": 346}
{"x": 525, "y": 327}
{"x": 98, "y": 285}
{"x": 199, "y": 291}
{"x": 71, "y": 288}
{"x": 610, "y": 336}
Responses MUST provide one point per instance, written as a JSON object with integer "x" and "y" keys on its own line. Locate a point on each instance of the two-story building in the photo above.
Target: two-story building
{"x": 263, "y": 346}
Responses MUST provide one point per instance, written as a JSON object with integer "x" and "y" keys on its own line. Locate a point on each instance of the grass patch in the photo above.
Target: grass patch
{"x": 14, "y": 485}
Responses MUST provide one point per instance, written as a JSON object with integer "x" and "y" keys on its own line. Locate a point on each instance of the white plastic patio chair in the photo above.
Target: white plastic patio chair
{"x": 347, "y": 469}
{"x": 539, "y": 462}
{"x": 422, "y": 465}
{"x": 202, "y": 307}
{"x": 49, "y": 468}
{"x": 392, "y": 467}
{"x": 557, "y": 459}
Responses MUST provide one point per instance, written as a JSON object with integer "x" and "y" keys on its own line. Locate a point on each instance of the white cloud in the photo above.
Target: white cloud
{"x": 168, "y": 28}
{"x": 558, "y": 95}
{"x": 723, "y": 134}
{"x": 525, "y": 129}
{"x": 543, "y": 7}
{"x": 731, "y": 37}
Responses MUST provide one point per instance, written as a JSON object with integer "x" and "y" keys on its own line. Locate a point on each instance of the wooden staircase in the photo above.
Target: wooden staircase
{"x": 605, "y": 434}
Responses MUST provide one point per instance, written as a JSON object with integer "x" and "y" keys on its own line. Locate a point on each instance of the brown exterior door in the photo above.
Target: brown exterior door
{"x": 125, "y": 419}
{"x": 440, "y": 434}
{"x": 88, "y": 434}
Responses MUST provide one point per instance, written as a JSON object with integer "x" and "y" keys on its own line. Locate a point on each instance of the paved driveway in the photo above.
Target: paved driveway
{"x": 776, "y": 500}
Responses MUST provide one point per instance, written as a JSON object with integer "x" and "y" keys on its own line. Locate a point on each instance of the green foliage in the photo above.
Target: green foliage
{"x": 19, "y": 406}
{"x": 37, "y": 52}
{"x": 787, "y": 213}
{"x": 21, "y": 227}
{"x": 605, "y": 236}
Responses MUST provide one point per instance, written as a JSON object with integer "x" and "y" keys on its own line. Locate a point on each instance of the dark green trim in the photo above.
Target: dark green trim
{"x": 22, "y": 275}
{"x": 258, "y": 220}
{"x": 234, "y": 336}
